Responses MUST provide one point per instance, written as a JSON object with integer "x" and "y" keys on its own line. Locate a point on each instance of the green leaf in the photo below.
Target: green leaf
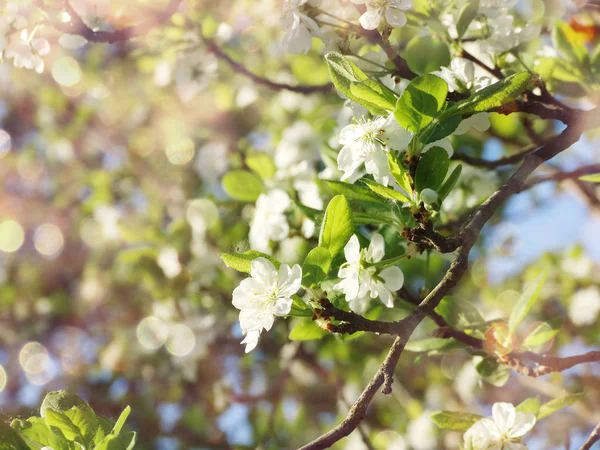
{"x": 450, "y": 182}
{"x": 316, "y": 266}
{"x": 569, "y": 43}
{"x": 385, "y": 191}
{"x": 399, "y": 173}
{"x": 525, "y": 302}
{"x": 595, "y": 178}
{"x": 466, "y": 16}
{"x": 338, "y": 225}
{"x": 306, "y": 330}
{"x": 346, "y": 76}
{"x": 539, "y": 336}
{"x": 429, "y": 344}
{"x": 37, "y": 434}
{"x": 121, "y": 421}
{"x": 432, "y": 169}
{"x": 492, "y": 372}
{"x": 423, "y": 98}
{"x": 459, "y": 314}
{"x": 242, "y": 185}
{"x": 242, "y": 261}
{"x": 9, "y": 439}
{"x": 454, "y": 420}
{"x": 439, "y": 128}
{"x": 426, "y": 53}
{"x": 261, "y": 163}
{"x": 557, "y": 404}
{"x": 371, "y": 92}
{"x": 353, "y": 192}
{"x": 493, "y": 96}
{"x": 531, "y": 405}
{"x": 65, "y": 425}
{"x": 125, "y": 441}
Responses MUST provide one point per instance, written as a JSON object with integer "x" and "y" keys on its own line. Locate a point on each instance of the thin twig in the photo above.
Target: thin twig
{"x": 592, "y": 439}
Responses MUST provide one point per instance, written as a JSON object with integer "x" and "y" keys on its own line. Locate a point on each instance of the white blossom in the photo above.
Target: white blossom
{"x": 503, "y": 431}
{"x": 265, "y": 294}
{"x": 368, "y": 143}
{"x": 392, "y": 10}
{"x": 168, "y": 261}
{"x": 506, "y": 36}
{"x": 479, "y": 121}
{"x": 299, "y": 28}
{"x": 464, "y": 76}
{"x": 585, "y": 306}
{"x": 192, "y": 73}
{"x": 360, "y": 278}
{"x": 421, "y": 433}
{"x": 26, "y": 52}
{"x": 269, "y": 222}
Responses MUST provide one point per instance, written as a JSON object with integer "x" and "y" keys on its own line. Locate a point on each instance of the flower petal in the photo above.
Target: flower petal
{"x": 370, "y": 19}
{"x": 393, "y": 277}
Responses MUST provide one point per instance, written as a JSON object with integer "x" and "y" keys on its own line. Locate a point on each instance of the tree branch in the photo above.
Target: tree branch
{"x": 77, "y": 26}
{"x": 241, "y": 69}
{"x": 560, "y": 176}
{"x": 494, "y": 164}
{"x": 592, "y": 439}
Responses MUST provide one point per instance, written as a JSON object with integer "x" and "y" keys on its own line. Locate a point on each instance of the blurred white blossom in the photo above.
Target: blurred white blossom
{"x": 585, "y": 306}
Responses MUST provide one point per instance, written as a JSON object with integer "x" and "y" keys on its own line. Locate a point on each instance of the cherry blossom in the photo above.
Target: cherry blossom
{"x": 361, "y": 280}
{"x": 265, "y": 294}
{"x": 392, "y": 10}
{"x": 503, "y": 431}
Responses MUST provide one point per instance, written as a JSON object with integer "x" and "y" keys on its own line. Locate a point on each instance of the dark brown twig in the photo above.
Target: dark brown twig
{"x": 592, "y": 439}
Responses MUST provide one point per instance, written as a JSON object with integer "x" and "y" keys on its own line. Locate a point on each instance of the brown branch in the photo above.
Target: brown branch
{"x": 560, "y": 176}
{"x": 493, "y": 164}
{"x": 535, "y": 365}
{"x": 77, "y": 26}
{"x": 493, "y": 71}
{"x": 592, "y": 439}
{"x": 241, "y": 69}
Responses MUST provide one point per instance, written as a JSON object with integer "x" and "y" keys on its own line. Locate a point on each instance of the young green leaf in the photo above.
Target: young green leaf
{"x": 371, "y": 92}
{"x": 531, "y": 405}
{"x": 386, "y": 192}
{"x": 539, "y": 336}
{"x": 466, "y": 16}
{"x": 262, "y": 164}
{"x": 316, "y": 266}
{"x": 432, "y": 169}
{"x": 595, "y": 178}
{"x": 242, "y": 185}
{"x": 422, "y": 100}
{"x": 306, "y": 330}
{"x": 354, "y": 192}
{"x": 450, "y": 182}
{"x": 121, "y": 421}
{"x": 9, "y": 438}
{"x": 493, "y": 96}
{"x": 525, "y": 302}
{"x": 439, "y": 128}
{"x": 350, "y": 80}
{"x": 557, "y": 404}
{"x": 454, "y": 420}
{"x": 399, "y": 173}
{"x": 242, "y": 261}
{"x": 337, "y": 225}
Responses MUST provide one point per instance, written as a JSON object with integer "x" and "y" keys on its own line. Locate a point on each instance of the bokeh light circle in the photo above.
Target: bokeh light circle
{"x": 12, "y": 236}
{"x": 152, "y": 332}
{"x": 34, "y": 358}
{"x": 181, "y": 340}
{"x": 66, "y": 71}
{"x": 48, "y": 240}
{"x": 180, "y": 152}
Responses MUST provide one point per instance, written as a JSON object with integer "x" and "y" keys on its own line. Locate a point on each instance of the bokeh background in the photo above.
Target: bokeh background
{"x": 112, "y": 216}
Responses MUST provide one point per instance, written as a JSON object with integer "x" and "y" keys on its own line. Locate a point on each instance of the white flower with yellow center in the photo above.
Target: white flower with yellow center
{"x": 362, "y": 280}
{"x": 503, "y": 431}
{"x": 392, "y": 10}
{"x": 265, "y": 294}
{"x": 368, "y": 142}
